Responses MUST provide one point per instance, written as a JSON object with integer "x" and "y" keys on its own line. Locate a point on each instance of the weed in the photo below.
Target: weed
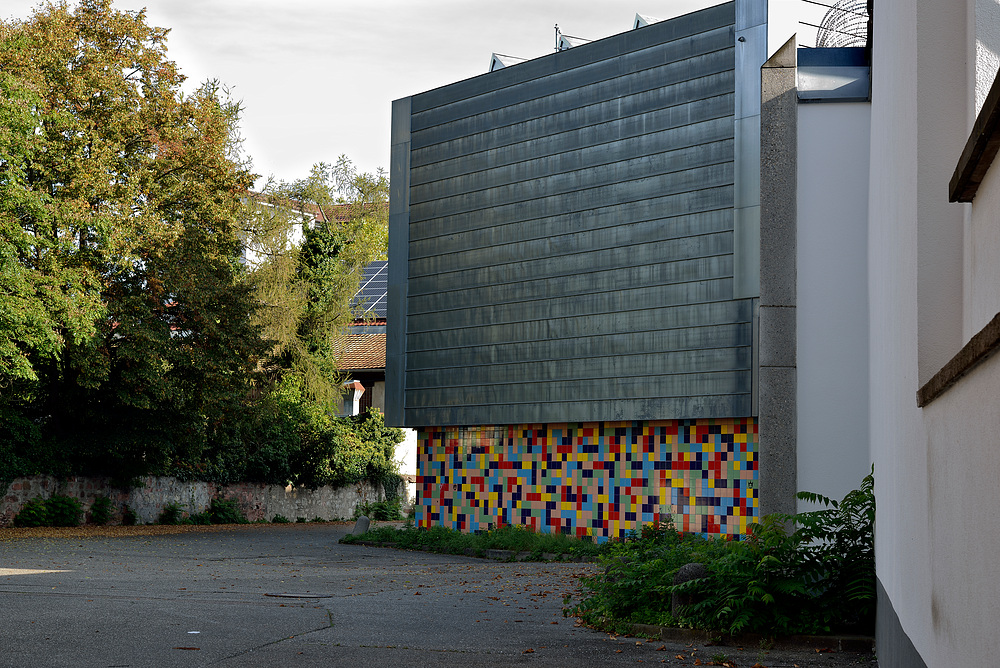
{"x": 100, "y": 510}
{"x": 817, "y": 579}
{"x": 225, "y": 511}
{"x": 513, "y": 538}
{"x": 199, "y": 518}
{"x": 279, "y": 519}
{"x": 171, "y": 514}
{"x": 300, "y": 520}
{"x": 381, "y": 511}
{"x": 129, "y": 517}
{"x": 317, "y": 519}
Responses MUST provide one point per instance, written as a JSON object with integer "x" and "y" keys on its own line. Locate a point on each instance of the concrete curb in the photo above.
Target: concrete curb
{"x": 837, "y": 643}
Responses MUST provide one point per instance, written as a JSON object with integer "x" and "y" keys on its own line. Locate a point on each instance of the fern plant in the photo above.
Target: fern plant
{"x": 817, "y": 579}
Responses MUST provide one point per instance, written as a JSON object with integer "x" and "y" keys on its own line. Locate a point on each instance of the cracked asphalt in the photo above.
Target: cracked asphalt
{"x": 270, "y": 595}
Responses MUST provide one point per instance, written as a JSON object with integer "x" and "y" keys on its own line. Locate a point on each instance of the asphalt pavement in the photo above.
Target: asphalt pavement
{"x": 291, "y": 595}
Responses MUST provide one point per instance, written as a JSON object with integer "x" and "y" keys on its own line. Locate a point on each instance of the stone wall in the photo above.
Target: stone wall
{"x": 256, "y": 500}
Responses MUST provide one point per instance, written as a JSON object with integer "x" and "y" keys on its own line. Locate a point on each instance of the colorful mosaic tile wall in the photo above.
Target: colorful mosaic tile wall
{"x": 600, "y": 478}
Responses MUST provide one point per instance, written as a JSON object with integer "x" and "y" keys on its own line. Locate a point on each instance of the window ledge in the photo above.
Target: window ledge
{"x": 979, "y": 348}
{"x": 980, "y": 150}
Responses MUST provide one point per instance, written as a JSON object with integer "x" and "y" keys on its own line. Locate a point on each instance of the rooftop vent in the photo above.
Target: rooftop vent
{"x": 564, "y": 42}
{"x": 500, "y": 61}
{"x": 641, "y": 21}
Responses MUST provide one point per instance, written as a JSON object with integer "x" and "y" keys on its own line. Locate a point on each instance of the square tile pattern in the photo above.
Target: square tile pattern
{"x": 601, "y": 479}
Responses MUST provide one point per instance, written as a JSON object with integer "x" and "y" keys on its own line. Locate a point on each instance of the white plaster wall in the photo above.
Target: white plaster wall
{"x": 982, "y": 255}
{"x": 963, "y": 537}
{"x": 898, "y": 441}
{"x": 406, "y": 458}
{"x": 987, "y": 46}
{"x": 832, "y": 297}
{"x": 935, "y": 468}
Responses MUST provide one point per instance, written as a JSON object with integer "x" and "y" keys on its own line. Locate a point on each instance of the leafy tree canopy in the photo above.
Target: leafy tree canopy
{"x": 126, "y": 330}
{"x": 154, "y": 318}
{"x": 308, "y": 242}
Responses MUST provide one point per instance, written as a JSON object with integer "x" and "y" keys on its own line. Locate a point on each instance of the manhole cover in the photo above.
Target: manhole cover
{"x": 307, "y": 595}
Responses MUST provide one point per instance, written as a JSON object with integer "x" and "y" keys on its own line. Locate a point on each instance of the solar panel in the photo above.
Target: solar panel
{"x": 371, "y": 295}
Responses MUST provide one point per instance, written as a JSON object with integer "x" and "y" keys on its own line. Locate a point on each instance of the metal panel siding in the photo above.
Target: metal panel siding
{"x": 570, "y": 236}
{"x": 684, "y": 26}
{"x": 644, "y": 321}
{"x": 561, "y": 93}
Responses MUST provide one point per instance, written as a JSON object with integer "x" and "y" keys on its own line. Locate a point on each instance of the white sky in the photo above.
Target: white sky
{"x": 317, "y": 77}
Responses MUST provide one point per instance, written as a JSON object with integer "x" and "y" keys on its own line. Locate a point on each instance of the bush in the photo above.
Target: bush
{"x": 449, "y": 541}
{"x": 171, "y": 514}
{"x": 64, "y": 511}
{"x": 225, "y": 511}
{"x": 34, "y": 513}
{"x": 199, "y": 518}
{"x": 818, "y": 579}
{"x": 129, "y": 517}
{"x": 100, "y": 510}
{"x": 382, "y": 511}
{"x": 57, "y": 511}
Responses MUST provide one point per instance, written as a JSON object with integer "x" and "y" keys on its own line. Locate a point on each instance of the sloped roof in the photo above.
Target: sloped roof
{"x": 371, "y": 294}
{"x": 362, "y": 351}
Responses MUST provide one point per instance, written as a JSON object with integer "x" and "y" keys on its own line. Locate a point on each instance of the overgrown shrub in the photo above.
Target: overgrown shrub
{"x": 100, "y": 510}
{"x": 382, "y": 511}
{"x": 34, "y": 513}
{"x": 199, "y": 518}
{"x": 129, "y": 517}
{"x": 819, "y": 578}
{"x": 57, "y": 511}
{"x": 225, "y": 511}
{"x": 64, "y": 511}
{"x": 171, "y": 514}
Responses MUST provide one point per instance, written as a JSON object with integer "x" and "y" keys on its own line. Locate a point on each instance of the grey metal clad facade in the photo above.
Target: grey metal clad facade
{"x": 569, "y": 237}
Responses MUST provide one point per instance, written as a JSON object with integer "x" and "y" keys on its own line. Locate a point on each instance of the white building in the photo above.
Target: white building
{"x": 934, "y": 293}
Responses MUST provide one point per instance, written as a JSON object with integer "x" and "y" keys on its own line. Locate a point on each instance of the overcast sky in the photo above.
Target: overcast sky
{"x": 317, "y": 77}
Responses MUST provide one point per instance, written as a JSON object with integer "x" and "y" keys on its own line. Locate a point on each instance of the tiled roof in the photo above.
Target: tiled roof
{"x": 362, "y": 351}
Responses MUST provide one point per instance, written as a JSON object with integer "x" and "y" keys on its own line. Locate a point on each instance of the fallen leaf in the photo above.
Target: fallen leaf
{"x": 661, "y": 648}
{"x": 679, "y": 657}
{"x": 528, "y": 651}
{"x": 187, "y": 647}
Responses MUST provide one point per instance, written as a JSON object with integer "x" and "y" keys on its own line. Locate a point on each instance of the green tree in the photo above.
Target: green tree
{"x": 309, "y": 240}
{"x": 126, "y": 328}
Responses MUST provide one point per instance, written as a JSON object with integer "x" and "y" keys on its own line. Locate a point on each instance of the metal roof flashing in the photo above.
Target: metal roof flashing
{"x": 840, "y": 74}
